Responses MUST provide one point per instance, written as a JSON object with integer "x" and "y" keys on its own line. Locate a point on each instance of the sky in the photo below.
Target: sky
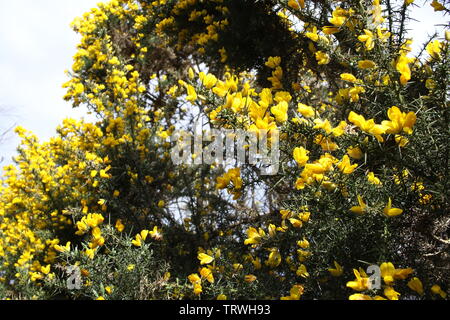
{"x": 37, "y": 46}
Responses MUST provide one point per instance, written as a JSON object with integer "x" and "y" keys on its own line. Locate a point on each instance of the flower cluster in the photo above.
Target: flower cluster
{"x": 363, "y": 166}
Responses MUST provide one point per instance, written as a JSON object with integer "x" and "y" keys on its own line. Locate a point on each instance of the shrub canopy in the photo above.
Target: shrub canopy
{"x": 363, "y": 173}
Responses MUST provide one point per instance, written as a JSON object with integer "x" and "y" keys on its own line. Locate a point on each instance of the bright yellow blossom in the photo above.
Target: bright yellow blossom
{"x": 436, "y": 289}
{"x": 301, "y": 156}
{"x": 391, "y": 212}
{"x": 337, "y": 271}
{"x": 119, "y": 225}
{"x": 437, "y": 6}
{"x": 322, "y": 58}
{"x": 65, "y": 248}
{"x": 254, "y": 236}
{"x": 207, "y": 274}
{"x": 361, "y": 208}
{"x": 345, "y": 166}
{"x": 204, "y": 258}
{"x": 366, "y": 64}
{"x": 361, "y": 282}
{"x": 295, "y": 293}
{"x": 416, "y": 285}
{"x": 296, "y": 4}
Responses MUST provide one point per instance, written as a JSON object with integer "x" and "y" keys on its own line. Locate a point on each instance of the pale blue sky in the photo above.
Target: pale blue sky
{"x": 37, "y": 45}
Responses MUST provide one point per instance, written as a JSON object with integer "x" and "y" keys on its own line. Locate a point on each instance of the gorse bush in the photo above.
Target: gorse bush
{"x": 363, "y": 177}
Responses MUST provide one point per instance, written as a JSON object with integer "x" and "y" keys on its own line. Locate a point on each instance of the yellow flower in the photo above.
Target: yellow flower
{"x": 399, "y": 121}
{"x": 326, "y": 143}
{"x": 322, "y": 58}
{"x": 402, "y": 66}
{"x": 221, "y": 297}
{"x": 348, "y": 77}
{"x": 329, "y": 30}
{"x": 368, "y": 126}
{"x": 274, "y": 259}
{"x": 367, "y": 38}
{"x": 339, "y": 16}
{"x": 366, "y": 64}
{"x": 254, "y": 236}
{"x": 387, "y": 272}
{"x": 90, "y": 253}
{"x": 250, "y": 278}
{"x": 97, "y": 241}
{"x": 130, "y": 267}
{"x": 138, "y": 241}
{"x": 361, "y": 282}
{"x": 303, "y": 243}
{"x": 204, "y": 258}
{"x": 140, "y": 238}
{"x": 273, "y": 62}
{"x": 372, "y": 179}
{"x": 345, "y": 166}
{"x": 312, "y": 35}
{"x": 337, "y": 271}
{"x": 198, "y": 289}
{"x": 359, "y": 296}
{"x": 65, "y": 248}
{"x": 280, "y": 111}
{"x": 437, "y": 6}
{"x": 237, "y": 267}
{"x": 119, "y": 225}
{"x": 209, "y": 81}
{"x": 303, "y": 255}
{"x": 79, "y": 88}
{"x": 302, "y": 272}
{"x": 194, "y": 278}
{"x": 207, "y": 274}
{"x": 46, "y": 269}
{"x": 301, "y": 156}
{"x": 285, "y": 214}
{"x": 391, "y": 212}
{"x": 295, "y": 293}
{"x": 296, "y": 4}
{"x": 191, "y": 73}
{"x": 296, "y": 223}
{"x": 435, "y": 289}
{"x": 434, "y": 49}
{"x": 355, "y": 153}
{"x": 192, "y": 95}
{"x": 416, "y": 285}
{"x": 391, "y": 294}
{"x": 361, "y": 208}
{"x": 100, "y": 298}
{"x": 103, "y": 174}
{"x": 156, "y": 233}
{"x": 306, "y": 111}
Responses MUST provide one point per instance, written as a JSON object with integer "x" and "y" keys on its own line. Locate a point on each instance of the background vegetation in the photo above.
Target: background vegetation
{"x": 364, "y": 158}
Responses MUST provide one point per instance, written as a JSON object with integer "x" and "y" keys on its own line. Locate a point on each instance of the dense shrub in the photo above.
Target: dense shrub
{"x": 363, "y": 171}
